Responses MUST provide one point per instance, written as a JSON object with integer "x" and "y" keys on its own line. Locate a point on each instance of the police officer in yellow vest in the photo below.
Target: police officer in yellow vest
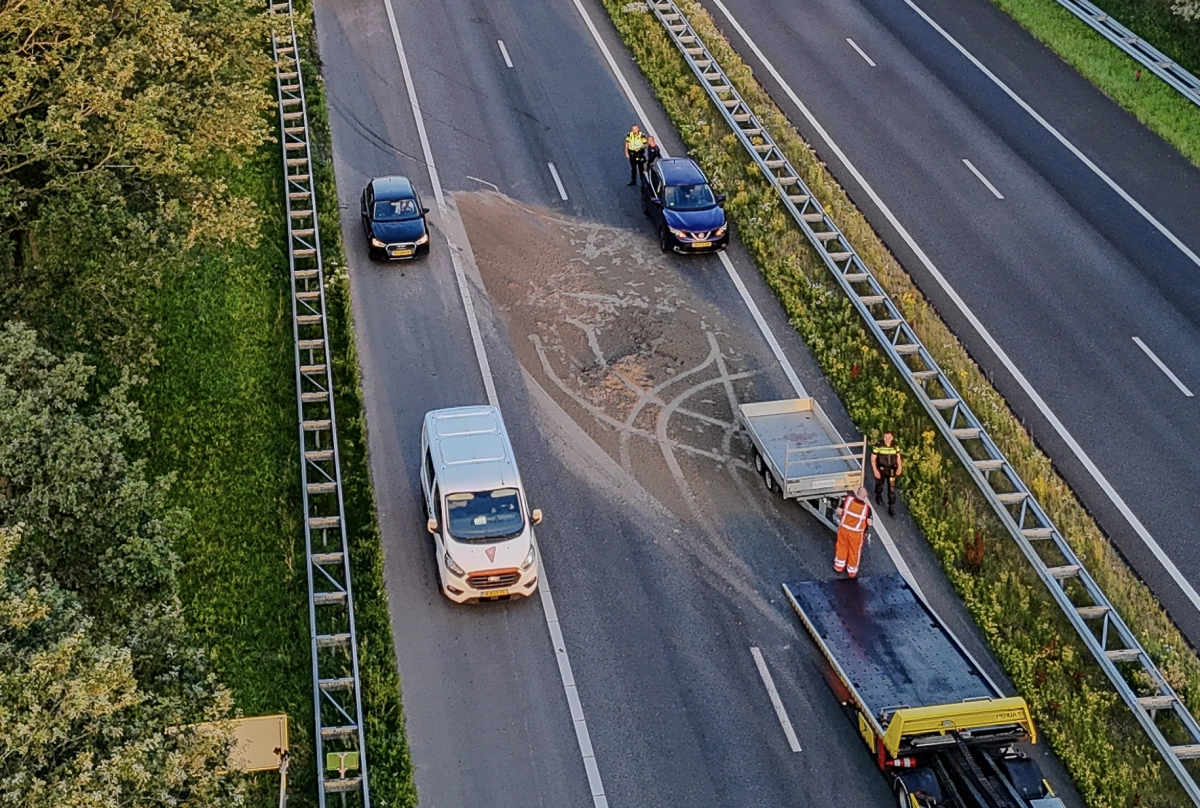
{"x": 886, "y": 464}
{"x": 635, "y": 152}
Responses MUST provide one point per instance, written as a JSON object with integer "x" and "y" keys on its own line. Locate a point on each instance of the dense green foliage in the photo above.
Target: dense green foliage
{"x": 154, "y": 465}
{"x": 1151, "y": 100}
{"x": 97, "y": 664}
{"x": 1171, "y": 26}
{"x": 78, "y": 729}
{"x": 1093, "y": 733}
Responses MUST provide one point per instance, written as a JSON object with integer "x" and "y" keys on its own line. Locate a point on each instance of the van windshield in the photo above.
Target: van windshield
{"x": 485, "y": 515}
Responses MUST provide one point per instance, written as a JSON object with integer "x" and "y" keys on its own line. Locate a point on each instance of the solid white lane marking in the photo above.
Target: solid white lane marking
{"x": 854, "y": 45}
{"x": 1109, "y": 181}
{"x": 776, "y": 702}
{"x": 983, "y": 179}
{"x": 565, "y": 672}
{"x": 558, "y": 182}
{"x": 460, "y": 277}
{"x": 582, "y": 736}
{"x": 776, "y": 349}
{"x": 491, "y": 185}
{"x": 885, "y": 538}
{"x": 612, "y": 64}
{"x": 1163, "y": 367}
{"x": 504, "y": 52}
{"x": 1185, "y": 586}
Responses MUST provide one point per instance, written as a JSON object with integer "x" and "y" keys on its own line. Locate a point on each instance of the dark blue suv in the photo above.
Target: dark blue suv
{"x": 686, "y": 213}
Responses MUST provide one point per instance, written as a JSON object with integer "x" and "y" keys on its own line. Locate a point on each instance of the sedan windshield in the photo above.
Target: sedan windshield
{"x": 485, "y": 515}
{"x": 396, "y": 210}
{"x": 689, "y": 197}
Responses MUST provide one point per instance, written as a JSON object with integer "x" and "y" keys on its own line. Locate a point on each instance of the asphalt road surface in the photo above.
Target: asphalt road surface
{"x": 617, "y": 369}
{"x": 1056, "y": 263}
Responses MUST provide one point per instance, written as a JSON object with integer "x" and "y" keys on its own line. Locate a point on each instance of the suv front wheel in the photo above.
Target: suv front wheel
{"x": 663, "y": 243}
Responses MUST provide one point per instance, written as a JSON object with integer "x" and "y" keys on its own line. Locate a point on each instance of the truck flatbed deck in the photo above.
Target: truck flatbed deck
{"x": 889, "y": 646}
{"x": 945, "y": 733}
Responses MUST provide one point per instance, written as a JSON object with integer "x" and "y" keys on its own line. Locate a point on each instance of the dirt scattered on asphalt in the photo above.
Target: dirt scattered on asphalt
{"x": 619, "y": 335}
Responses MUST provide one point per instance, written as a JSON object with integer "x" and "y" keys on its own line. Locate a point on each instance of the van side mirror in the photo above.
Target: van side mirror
{"x": 432, "y": 526}
{"x": 720, "y": 199}
{"x": 536, "y": 516}
{"x": 424, "y": 211}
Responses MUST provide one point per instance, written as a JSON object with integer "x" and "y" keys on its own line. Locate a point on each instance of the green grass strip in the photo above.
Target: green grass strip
{"x": 1092, "y": 732}
{"x": 390, "y": 764}
{"x": 1151, "y": 100}
{"x": 222, "y": 405}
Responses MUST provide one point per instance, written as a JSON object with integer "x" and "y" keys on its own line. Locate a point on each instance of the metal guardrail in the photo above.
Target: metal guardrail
{"x": 1102, "y": 629}
{"x": 341, "y": 750}
{"x": 1155, "y": 60}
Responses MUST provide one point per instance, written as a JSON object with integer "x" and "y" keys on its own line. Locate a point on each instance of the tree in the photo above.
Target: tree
{"x": 1188, "y": 9}
{"x": 94, "y": 522}
{"x": 76, "y": 728}
{"x": 125, "y": 101}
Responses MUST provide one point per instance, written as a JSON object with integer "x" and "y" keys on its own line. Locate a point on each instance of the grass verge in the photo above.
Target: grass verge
{"x": 222, "y": 409}
{"x": 1091, "y": 731}
{"x": 1150, "y": 99}
{"x": 392, "y": 783}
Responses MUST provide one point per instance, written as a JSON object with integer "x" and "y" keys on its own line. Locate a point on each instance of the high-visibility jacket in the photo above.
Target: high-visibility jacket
{"x": 887, "y": 456}
{"x": 855, "y": 514}
{"x": 635, "y": 141}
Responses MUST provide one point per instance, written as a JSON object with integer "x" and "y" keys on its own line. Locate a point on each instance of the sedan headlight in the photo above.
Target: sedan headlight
{"x": 530, "y": 557}
{"x": 451, "y": 565}
{"x": 377, "y": 243}
{"x": 720, "y": 231}
{"x": 424, "y": 239}
{"x": 678, "y": 233}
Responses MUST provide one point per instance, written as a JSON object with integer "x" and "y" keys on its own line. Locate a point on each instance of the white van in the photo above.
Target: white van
{"x": 475, "y": 506}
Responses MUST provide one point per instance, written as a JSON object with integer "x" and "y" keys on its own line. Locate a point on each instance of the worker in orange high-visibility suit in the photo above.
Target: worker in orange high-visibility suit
{"x": 855, "y": 513}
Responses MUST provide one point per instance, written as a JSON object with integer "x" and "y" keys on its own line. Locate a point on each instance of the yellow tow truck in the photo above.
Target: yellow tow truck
{"x": 938, "y": 727}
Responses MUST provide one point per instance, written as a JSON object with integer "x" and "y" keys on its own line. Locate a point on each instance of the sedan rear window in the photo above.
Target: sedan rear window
{"x": 689, "y": 197}
{"x": 396, "y": 210}
{"x": 485, "y": 515}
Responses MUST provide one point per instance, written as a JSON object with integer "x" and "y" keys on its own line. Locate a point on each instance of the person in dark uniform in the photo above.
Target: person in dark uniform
{"x": 653, "y": 152}
{"x": 886, "y": 465}
{"x": 635, "y": 152}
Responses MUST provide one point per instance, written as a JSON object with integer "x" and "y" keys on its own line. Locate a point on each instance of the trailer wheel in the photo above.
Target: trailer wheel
{"x": 769, "y": 480}
{"x": 759, "y": 464}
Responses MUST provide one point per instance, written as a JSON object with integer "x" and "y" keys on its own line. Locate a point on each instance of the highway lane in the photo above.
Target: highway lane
{"x": 1062, "y": 271}
{"x": 658, "y": 608}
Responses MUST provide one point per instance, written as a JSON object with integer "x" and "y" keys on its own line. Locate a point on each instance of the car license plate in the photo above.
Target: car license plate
{"x": 495, "y": 593}
{"x": 699, "y": 244}
{"x": 401, "y": 253}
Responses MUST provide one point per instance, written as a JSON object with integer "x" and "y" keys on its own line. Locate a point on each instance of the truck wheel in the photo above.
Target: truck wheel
{"x": 759, "y": 464}
{"x": 903, "y": 798}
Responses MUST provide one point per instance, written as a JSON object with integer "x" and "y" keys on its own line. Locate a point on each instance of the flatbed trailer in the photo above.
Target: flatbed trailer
{"x": 800, "y": 455}
{"x": 936, "y": 724}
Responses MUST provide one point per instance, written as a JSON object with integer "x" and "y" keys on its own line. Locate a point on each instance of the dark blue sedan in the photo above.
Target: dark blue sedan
{"x": 393, "y": 220}
{"x": 686, "y": 213}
